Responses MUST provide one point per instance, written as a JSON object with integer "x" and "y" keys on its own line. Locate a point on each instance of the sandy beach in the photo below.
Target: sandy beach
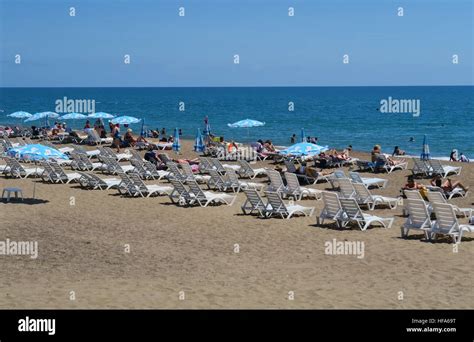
{"x": 186, "y": 257}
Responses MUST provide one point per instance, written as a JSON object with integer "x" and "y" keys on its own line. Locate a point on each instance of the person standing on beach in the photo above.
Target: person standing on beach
{"x": 293, "y": 139}
{"x": 116, "y": 136}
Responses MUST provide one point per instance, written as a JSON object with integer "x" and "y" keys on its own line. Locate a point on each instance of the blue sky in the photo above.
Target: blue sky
{"x": 197, "y": 50}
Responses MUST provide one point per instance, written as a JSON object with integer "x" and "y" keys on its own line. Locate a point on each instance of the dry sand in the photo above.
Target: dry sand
{"x": 174, "y": 249}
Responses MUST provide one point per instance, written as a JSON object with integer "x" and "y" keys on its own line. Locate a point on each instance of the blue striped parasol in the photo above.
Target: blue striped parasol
{"x": 176, "y": 144}
{"x": 425, "y": 153}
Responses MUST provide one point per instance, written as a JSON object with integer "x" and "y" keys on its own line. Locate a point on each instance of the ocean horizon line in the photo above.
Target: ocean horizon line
{"x": 236, "y": 87}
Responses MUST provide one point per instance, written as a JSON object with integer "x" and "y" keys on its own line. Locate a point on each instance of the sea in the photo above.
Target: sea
{"x": 337, "y": 116}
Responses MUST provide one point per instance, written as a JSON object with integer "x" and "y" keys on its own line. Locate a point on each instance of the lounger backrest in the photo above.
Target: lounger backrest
{"x": 355, "y": 177}
{"x": 246, "y": 167}
{"x": 290, "y": 166}
{"x": 109, "y": 152}
{"x": 276, "y": 182}
{"x": 231, "y": 176}
{"x": 417, "y": 212}
{"x": 179, "y": 187}
{"x": 173, "y": 168}
{"x": 275, "y": 201}
{"x": 85, "y": 178}
{"x": 419, "y": 166}
{"x": 413, "y": 194}
{"x": 204, "y": 164}
{"x": 126, "y": 181}
{"x": 151, "y": 168}
{"x": 435, "y": 197}
{"x": 351, "y": 208}
{"x": 446, "y": 219}
{"x": 254, "y": 198}
{"x": 187, "y": 169}
{"x": 217, "y": 164}
{"x": 292, "y": 182}
{"x": 95, "y": 178}
{"x": 58, "y": 169}
{"x": 135, "y": 178}
{"x": 215, "y": 177}
{"x": 196, "y": 189}
{"x": 332, "y": 205}
{"x": 136, "y": 155}
{"x": 346, "y": 189}
{"x": 362, "y": 192}
{"x": 436, "y": 166}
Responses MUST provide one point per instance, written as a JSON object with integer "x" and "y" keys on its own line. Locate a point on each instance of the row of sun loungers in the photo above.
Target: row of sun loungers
{"x": 429, "y": 168}
{"x": 446, "y": 223}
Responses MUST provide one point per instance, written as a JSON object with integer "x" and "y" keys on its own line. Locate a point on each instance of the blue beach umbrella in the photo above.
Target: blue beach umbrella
{"x": 247, "y": 123}
{"x": 425, "y": 153}
{"x": 100, "y": 115}
{"x": 176, "y": 144}
{"x": 199, "y": 142}
{"x": 125, "y": 120}
{"x": 42, "y": 115}
{"x": 73, "y": 116}
{"x": 304, "y": 149}
{"x": 36, "y": 152}
{"x": 303, "y": 135}
{"x": 20, "y": 115}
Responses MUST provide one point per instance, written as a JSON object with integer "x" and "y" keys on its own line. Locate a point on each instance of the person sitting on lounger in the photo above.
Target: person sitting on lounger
{"x": 412, "y": 185}
{"x": 448, "y": 185}
{"x": 375, "y": 153}
{"x": 128, "y": 139}
{"x": 269, "y": 146}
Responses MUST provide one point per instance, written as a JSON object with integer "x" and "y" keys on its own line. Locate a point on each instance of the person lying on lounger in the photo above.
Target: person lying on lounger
{"x": 448, "y": 185}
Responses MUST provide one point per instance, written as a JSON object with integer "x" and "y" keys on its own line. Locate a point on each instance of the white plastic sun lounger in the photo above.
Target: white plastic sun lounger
{"x": 276, "y": 206}
{"x": 387, "y": 166}
{"x": 254, "y": 202}
{"x": 238, "y": 184}
{"x": 447, "y": 224}
{"x": 420, "y": 167}
{"x": 443, "y": 170}
{"x": 63, "y": 176}
{"x": 346, "y": 188}
{"x": 293, "y": 188}
{"x": 437, "y": 197}
{"x": 368, "y": 181}
{"x": 364, "y": 196}
{"x": 246, "y": 170}
{"x": 188, "y": 172}
{"x": 15, "y": 169}
{"x": 276, "y": 182}
{"x": 91, "y": 181}
{"x": 355, "y": 214}
{"x": 418, "y": 218}
{"x": 146, "y": 190}
{"x": 204, "y": 198}
{"x": 332, "y": 209}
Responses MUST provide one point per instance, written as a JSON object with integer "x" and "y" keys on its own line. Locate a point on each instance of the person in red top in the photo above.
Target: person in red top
{"x": 87, "y": 125}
